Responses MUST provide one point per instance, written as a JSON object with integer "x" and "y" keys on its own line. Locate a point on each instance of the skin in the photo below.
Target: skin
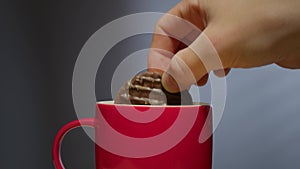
{"x": 244, "y": 33}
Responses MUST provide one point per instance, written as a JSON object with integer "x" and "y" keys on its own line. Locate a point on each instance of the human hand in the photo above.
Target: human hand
{"x": 241, "y": 34}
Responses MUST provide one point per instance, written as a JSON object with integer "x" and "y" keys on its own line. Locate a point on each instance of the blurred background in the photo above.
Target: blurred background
{"x": 40, "y": 42}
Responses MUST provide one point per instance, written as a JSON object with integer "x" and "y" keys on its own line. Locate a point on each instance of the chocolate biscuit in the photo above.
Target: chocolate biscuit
{"x": 146, "y": 89}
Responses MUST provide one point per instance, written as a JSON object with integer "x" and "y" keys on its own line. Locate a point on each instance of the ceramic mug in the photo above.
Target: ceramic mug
{"x": 146, "y": 137}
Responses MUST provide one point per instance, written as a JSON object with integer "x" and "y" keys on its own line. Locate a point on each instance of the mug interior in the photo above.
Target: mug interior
{"x": 111, "y": 102}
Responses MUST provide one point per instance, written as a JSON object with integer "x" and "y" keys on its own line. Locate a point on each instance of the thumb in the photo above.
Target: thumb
{"x": 191, "y": 64}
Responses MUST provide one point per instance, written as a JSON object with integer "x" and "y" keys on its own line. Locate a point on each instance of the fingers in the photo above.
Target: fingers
{"x": 218, "y": 73}
{"x": 221, "y": 72}
{"x": 163, "y": 45}
{"x": 203, "y": 80}
{"x": 184, "y": 69}
{"x": 192, "y": 64}
{"x": 173, "y": 32}
{"x": 292, "y": 62}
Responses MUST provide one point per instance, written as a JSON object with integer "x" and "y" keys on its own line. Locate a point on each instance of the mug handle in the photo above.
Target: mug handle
{"x": 90, "y": 122}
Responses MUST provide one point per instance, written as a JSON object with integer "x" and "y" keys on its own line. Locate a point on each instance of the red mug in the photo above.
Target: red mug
{"x": 146, "y": 137}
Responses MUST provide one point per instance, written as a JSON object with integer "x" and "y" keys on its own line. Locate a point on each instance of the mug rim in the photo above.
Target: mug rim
{"x": 111, "y": 102}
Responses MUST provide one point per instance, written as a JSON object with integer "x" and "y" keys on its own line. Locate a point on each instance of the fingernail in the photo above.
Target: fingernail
{"x": 169, "y": 83}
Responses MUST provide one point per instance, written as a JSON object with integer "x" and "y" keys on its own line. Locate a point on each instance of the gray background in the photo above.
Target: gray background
{"x": 40, "y": 42}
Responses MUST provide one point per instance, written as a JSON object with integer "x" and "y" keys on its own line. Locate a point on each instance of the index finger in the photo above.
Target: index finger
{"x": 173, "y": 32}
